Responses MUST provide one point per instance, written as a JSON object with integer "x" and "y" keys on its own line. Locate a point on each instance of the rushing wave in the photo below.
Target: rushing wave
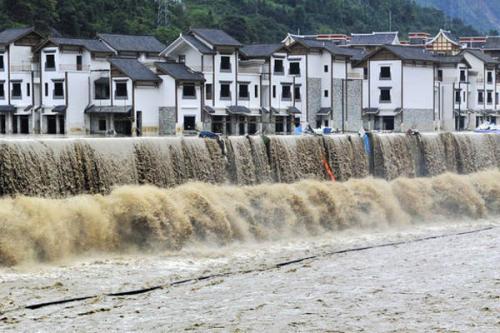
{"x": 151, "y": 218}
{"x": 66, "y": 167}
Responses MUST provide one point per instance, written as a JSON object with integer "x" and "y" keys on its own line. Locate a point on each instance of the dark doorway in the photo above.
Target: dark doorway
{"x": 51, "y": 125}
{"x": 25, "y": 124}
{"x": 62, "y": 123}
{"x": 3, "y": 124}
{"x": 139, "y": 123}
{"x": 123, "y": 127}
{"x": 388, "y": 123}
{"x": 459, "y": 123}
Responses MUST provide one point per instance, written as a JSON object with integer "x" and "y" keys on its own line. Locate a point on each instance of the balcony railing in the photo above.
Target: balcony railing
{"x": 74, "y": 68}
{"x": 22, "y": 67}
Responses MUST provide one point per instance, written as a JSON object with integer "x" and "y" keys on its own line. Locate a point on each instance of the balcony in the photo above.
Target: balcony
{"x": 24, "y": 67}
{"x": 73, "y": 68}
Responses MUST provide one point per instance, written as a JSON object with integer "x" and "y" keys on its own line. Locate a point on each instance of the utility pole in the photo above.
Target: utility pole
{"x": 390, "y": 20}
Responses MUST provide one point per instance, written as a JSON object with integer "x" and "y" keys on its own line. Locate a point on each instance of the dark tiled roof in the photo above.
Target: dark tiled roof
{"x": 7, "y": 108}
{"x": 410, "y": 53}
{"x": 331, "y": 47}
{"x": 197, "y": 44}
{"x": 10, "y": 35}
{"x": 179, "y": 71}
{"x": 117, "y": 109}
{"x": 376, "y": 38}
{"x": 492, "y": 43}
{"x": 238, "y": 109}
{"x": 216, "y": 37}
{"x": 134, "y": 69}
{"x": 293, "y": 110}
{"x": 130, "y": 43}
{"x": 482, "y": 56}
{"x": 92, "y": 45}
{"x": 449, "y": 59}
{"x": 260, "y": 50}
{"x": 59, "y": 109}
{"x": 324, "y": 111}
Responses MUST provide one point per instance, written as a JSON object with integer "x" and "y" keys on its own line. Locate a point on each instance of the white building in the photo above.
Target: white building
{"x": 70, "y": 68}
{"x": 19, "y": 81}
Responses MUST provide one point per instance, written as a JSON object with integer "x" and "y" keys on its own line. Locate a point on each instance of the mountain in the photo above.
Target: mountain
{"x": 482, "y": 14}
{"x": 247, "y": 20}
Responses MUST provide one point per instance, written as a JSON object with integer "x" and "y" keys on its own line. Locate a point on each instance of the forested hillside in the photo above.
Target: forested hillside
{"x": 483, "y": 14}
{"x": 247, "y": 20}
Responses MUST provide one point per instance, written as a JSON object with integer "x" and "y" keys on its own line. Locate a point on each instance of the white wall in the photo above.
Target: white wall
{"x": 418, "y": 90}
{"x": 78, "y": 91}
{"x": 376, "y": 83}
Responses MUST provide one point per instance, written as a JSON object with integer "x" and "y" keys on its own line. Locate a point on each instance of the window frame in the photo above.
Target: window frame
{"x": 383, "y": 101}
{"x": 190, "y": 86}
{"x": 247, "y": 85}
{"x": 282, "y": 66}
{"x": 209, "y": 91}
{"x": 19, "y": 89}
{"x": 222, "y": 90}
{"x": 288, "y": 89}
{"x": 291, "y": 69}
{"x": 121, "y": 84}
{"x": 47, "y": 67}
{"x": 99, "y": 98}
{"x": 56, "y": 84}
{"x": 229, "y": 68}
{"x": 383, "y": 77}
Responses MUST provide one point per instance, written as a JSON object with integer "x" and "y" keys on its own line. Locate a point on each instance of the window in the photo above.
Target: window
{"x": 274, "y": 91}
{"x": 480, "y": 97}
{"x": 189, "y": 123}
{"x": 101, "y": 88}
{"x": 256, "y": 91}
{"x": 182, "y": 59}
{"x": 50, "y": 62}
{"x": 58, "y": 90}
{"x": 16, "y": 90}
{"x": 326, "y": 68}
{"x": 462, "y": 75}
{"x": 295, "y": 68}
{"x": 497, "y": 98}
{"x": 225, "y": 63}
{"x": 385, "y": 95}
{"x": 2, "y": 90}
{"x": 208, "y": 91}
{"x": 490, "y": 77}
{"x": 121, "y": 90}
{"x": 46, "y": 89}
{"x": 385, "y": 73}
{"x": 326, "y": 93}
{"x": 225, "y": 91}
{"x": 440, "y": 75}
{"x": 286, "y": 92}
{"x": 79, "y": 63}
{"x": 102, "y": 125}
{"x": 2, "y": 66}
{"x": 278, "y": 66}
{"x": 457, "y": 96}
{"x": 243, "y": 92}
{"x": 489, "y": 97}
{"x": 365, "y": 73}
{"x": 296, "y": 93}
{"x": 28, "y": 89}
{"x": 188, "y": 91}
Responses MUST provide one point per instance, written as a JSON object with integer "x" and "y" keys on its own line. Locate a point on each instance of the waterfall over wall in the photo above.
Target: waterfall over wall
{"x": 65, "y": 167}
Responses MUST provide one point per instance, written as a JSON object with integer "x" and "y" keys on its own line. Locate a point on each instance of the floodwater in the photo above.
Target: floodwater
{"x": 420, "y": 284}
